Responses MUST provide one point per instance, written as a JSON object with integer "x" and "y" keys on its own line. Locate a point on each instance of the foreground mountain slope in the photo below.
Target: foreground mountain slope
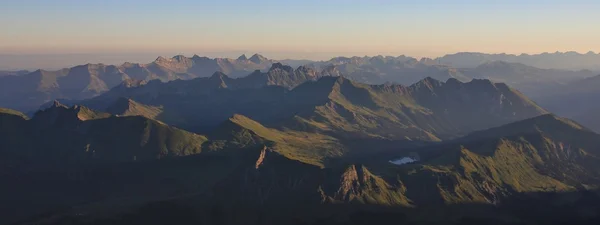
{"x": 68, "y": 135}
{"x": 485, "y": 175}
{"x": 242, "y": 132}
{"x": 542, "y": 154}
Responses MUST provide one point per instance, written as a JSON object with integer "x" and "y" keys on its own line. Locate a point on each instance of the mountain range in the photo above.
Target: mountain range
{"x": 313, "y": 144}
{"x": 26, "y": 91}
{"x": 407, "y": 70}
{"x": 13, "y": 73}
{"x": 427, "y": 110}
{"x": 244, "y": 171}
{"x": 530, "y": 80}
{"x": 29, "y": 91}
{"x": 558, "y": 60}
{"x": 388, "y": 69}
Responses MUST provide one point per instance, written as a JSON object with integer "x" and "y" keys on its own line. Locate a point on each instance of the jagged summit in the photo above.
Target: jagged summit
{"x": 180, "y": 58}
{"x": 280, "y": 66}
{"x": 258, "y": 59}
{"x": 427, "y": 82}
{"x": 160, "y": 59}
{"x": 309, "y": 72}
{"x": 59, "y": 114}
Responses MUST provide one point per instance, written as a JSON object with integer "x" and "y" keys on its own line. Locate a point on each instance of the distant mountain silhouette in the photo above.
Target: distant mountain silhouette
{"x": 557, "y": 60}
{"x": 576, "y": 100}
{"x": 407, "y": 70}
{"x": 381, "y": 69}
{"x": 530, "y": 80}
{"x": 13, "y": 73}
{"x": 28, "y": 91}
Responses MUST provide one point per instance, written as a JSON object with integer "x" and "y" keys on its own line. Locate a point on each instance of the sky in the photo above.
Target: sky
{"x": 312, "y": 29}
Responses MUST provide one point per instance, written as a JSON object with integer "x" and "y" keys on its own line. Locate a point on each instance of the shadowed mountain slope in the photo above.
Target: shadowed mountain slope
{"x": 484, "y": 175}
{"x": 427, "y": 110}
{"x": 75, "y": 134}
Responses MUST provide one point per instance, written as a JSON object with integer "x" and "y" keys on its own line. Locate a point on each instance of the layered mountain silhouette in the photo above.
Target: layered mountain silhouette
{"x": 13, "y": 73}
{"x": 556, "y": 60}
{"x": 29, "y": 91}
{"x": 532, "y": 81}
{"x": 542, "y": 154}
{"x": 381, "y": 69}
{"x": 575, "y": 100}
{"x": 305, "y": 145}
{"x": 405, "y": 70}
{"x": 427, "y": 110}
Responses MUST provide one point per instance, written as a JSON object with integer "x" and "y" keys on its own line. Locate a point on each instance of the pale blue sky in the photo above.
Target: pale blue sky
{"x": 335, "y": 27}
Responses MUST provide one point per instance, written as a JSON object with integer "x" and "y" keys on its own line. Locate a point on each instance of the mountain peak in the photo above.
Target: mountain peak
{"x": 61, "y": 115}
{"x": 218, "y": 74}
{"x": 220, "y": 78}
{"x": 160, "y": 59}
{"x": 258, "y": 59}
{"x": 242, "y": 57}
{"x": 180, "y": 58}
{"x": 484, "y": 82}
{"x": 428, "y": 82}
{"x": 453, "y": 81}
{"x": 331, "y": 70}
{"x": 427, "y": 61}
{"x": 307, "y": 70}
{"x": 280, "y": 66}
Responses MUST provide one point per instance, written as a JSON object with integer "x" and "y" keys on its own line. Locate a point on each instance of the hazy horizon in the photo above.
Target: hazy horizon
{"x": 54, "y": 61}
{"x": 282, "y": 29}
